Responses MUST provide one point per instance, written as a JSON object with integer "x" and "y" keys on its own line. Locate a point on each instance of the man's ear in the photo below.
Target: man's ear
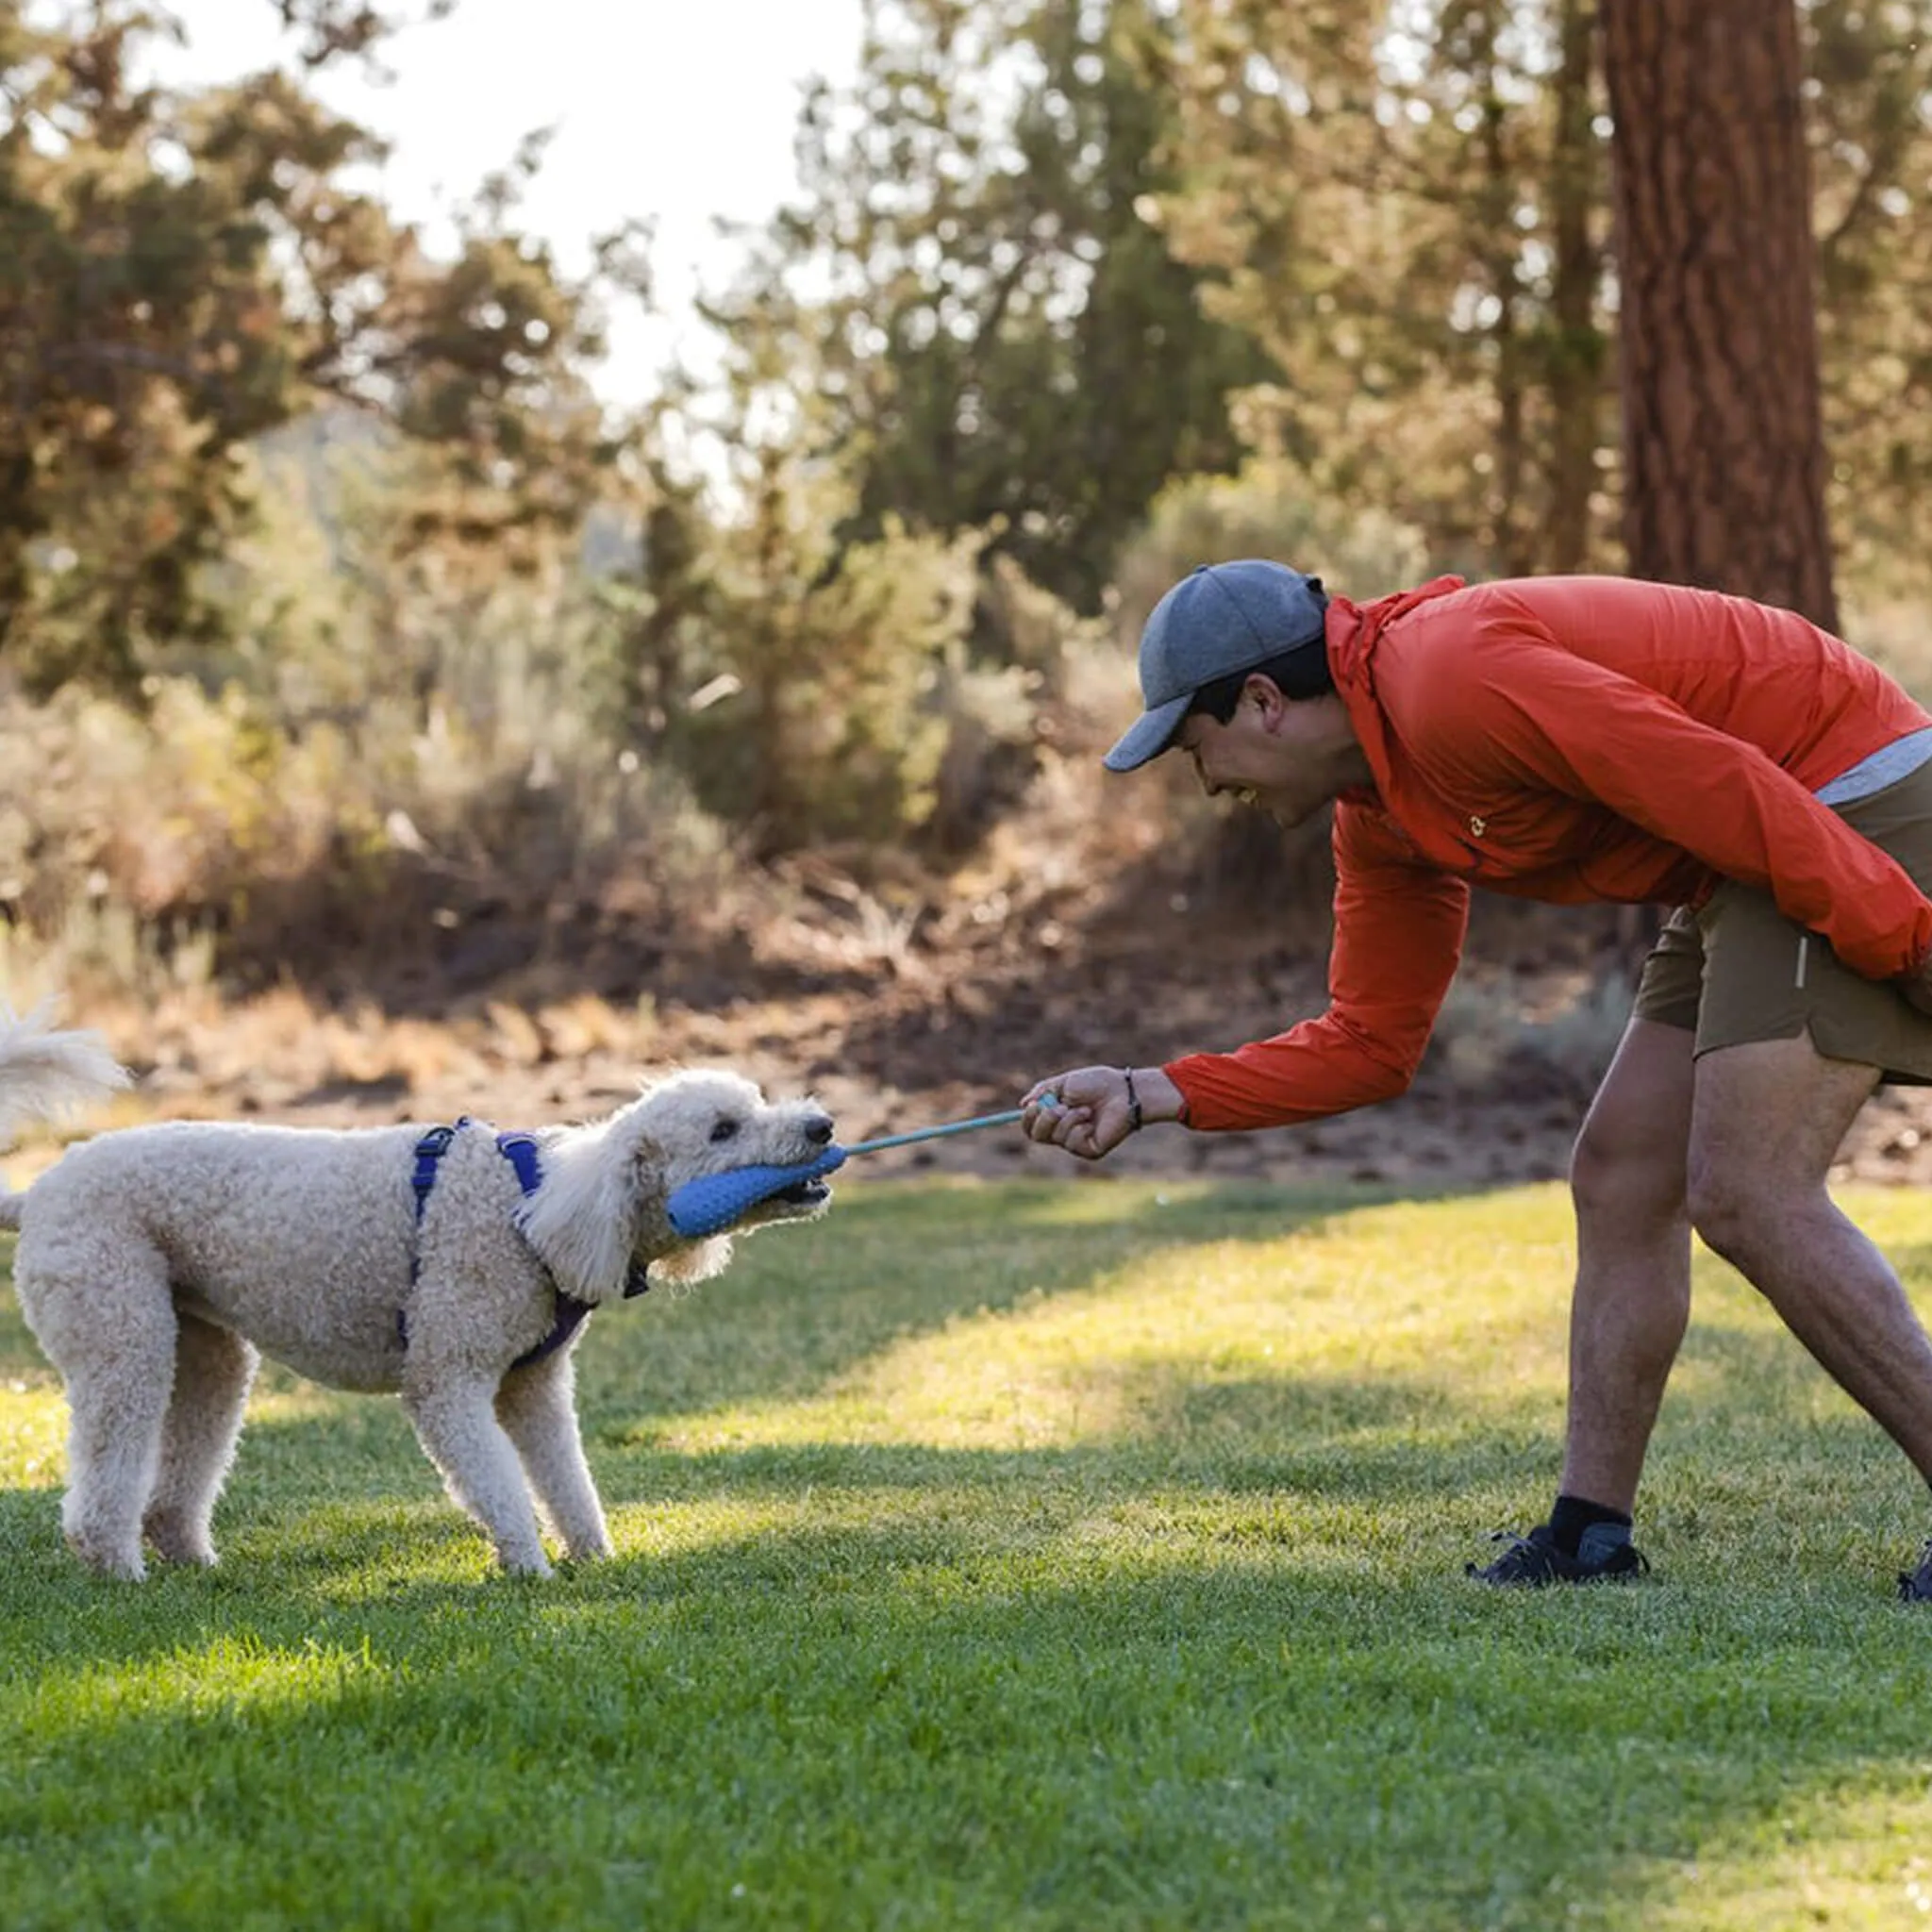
{"x": 1265, "y": 695}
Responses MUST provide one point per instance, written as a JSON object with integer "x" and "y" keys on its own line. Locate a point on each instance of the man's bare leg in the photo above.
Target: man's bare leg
{"x": 1632, "y": 1298}
{"x": 1766, "y": 1120}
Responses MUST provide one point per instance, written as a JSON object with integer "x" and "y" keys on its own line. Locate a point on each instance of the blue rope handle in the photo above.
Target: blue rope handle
{"x": 985, "y": 1119}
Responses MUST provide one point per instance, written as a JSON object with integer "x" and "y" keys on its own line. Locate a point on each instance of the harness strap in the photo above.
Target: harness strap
{"x": 429, "y": 1150}
{"x": 520, "y": 1150}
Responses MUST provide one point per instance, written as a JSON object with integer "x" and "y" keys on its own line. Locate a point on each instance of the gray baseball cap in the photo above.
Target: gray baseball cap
{"x": 1223, "y": 618}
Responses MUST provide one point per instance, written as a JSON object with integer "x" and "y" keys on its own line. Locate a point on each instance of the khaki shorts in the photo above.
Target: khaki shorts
{"x": 1737, "y": 971}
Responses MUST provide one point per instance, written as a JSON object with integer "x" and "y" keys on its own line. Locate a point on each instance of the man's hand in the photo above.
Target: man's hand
{"x": 1089, "y": 1110}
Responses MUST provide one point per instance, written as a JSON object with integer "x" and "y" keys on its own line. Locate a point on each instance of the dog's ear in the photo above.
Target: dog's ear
{"x": 598, "y": 1185}
{"x": 674, "y": 1257}
{"x": 649, "y": 1162}
{"x": 647, "y": 1172}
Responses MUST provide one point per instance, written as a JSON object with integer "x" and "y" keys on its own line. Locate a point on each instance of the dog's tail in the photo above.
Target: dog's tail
{"x": 46, "y": 1072}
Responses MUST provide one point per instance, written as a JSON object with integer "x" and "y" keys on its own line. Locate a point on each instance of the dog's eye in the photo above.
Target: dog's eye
{"x": 724, "y": 1130}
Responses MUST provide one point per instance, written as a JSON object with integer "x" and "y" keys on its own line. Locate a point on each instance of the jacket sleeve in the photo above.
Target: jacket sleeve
{"x": 1537, "y": 715}
{"x": 1399, "y": 923}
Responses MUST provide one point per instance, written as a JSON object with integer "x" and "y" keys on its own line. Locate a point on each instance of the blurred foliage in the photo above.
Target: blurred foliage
{"x": 1408, "y": 204}
{"x": 823, "y": 717}
{"x": 1869, "y": 101}
{"x": 180, "y": 274}
{"x": 976, "y": 283}
{"x": 812, "y": 685}
{"x": 1075, "y": 294}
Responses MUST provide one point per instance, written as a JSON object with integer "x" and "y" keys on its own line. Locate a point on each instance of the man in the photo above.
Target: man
{"x": 1570, "y": 740}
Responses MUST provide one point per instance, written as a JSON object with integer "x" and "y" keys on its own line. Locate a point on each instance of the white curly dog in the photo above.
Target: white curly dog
{"x": 157, "y": 1264}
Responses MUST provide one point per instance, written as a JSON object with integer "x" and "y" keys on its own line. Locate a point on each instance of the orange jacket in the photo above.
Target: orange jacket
{"x": 1570, "y": 740}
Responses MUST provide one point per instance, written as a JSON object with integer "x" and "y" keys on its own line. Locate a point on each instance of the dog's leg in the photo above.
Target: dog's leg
{"x": 480, "y": 1466}
{"x": 536, "y": 1407}
{"x": 213, "y": 1370}
{"x": 106, "y": 1321}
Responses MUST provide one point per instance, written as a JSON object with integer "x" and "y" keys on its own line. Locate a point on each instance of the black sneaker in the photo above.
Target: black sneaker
{"x": 1534, "y": 1561}
{"x": 1916, "y": 1586}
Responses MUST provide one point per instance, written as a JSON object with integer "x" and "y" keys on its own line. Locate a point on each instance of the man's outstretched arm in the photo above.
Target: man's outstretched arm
{"x": 1399, "y": 923}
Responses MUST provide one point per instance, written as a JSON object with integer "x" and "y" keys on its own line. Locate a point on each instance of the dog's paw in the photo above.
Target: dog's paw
{"x": 107, "y": 1559}
{"x": 175, "y": 1539}
{"x": 524, "y": 1564}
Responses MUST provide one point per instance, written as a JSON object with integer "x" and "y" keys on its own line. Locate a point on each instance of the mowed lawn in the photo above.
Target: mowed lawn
{"x": 1047, "y": 1555}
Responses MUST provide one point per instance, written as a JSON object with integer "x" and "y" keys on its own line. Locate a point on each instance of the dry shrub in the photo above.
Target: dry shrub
{"x": 1268, "y": 510}
{"x": 143, "y": 848}
{"x": 1896, "y": 634}
{"x": 412, "y": 768}
{"x": 1553, "y": 1032}
{"x": 125, "y": 837}
{"x": 831, "y": 678}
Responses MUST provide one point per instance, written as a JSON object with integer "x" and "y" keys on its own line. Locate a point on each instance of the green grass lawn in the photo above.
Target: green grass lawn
{"x": 1076, "y": 1555}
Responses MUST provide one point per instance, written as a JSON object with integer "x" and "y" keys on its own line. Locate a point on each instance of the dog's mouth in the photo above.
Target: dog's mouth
{"x": 811, "y": 1193}
{"x": 798, "y": 1201}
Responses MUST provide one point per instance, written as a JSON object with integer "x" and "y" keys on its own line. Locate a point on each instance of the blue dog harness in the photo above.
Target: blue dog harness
{"x": 520, "y": 1150}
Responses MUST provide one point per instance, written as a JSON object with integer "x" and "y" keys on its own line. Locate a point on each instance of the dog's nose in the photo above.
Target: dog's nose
{"x": 818, "y": 1129}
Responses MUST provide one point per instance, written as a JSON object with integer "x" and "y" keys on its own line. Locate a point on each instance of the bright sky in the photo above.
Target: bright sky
{"x": 678, "y": 110}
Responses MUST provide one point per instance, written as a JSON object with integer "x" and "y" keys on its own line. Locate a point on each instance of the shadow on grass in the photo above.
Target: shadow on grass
{"x": 1768, "y": 1449}
{"x": 801, "y": 1307}
{"x": 986, "y": 1717}
{"x": 804, "y": 1308}
{"x": 1209, "y": 1665}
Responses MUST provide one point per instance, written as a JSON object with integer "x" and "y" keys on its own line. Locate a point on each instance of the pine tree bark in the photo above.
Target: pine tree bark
{"x": 1576, "y": 349}
{"x": 1724, "y": 444}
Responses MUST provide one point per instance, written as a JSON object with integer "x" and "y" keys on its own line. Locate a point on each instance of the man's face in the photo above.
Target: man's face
{"x": 1266, "y": 755}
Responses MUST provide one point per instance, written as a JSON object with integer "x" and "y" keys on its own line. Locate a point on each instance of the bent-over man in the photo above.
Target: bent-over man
{"x": 1572, "y": 740}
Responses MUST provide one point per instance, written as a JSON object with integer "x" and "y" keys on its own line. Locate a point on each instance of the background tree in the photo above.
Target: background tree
{"x": 1406, "y": 207}
{"x": 1075, "y": 295}
{"x": 1868, "y": 83}
{"x": 972, "y": 280}
{"x": 180, "y": 275}
{"x": 1724, "y": 442}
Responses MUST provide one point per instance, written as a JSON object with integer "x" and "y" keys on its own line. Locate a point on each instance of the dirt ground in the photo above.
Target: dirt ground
{"x": 912, "y": 1030}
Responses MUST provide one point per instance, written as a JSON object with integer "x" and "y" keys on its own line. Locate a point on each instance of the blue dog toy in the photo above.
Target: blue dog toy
{"x": 711, "y": 1203}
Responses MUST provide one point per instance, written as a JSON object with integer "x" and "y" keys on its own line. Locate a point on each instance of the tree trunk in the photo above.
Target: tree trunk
{"x": 1499, "y": 254}
{"x": 1577, "y": 348}
{"x": 1724, "y": 445}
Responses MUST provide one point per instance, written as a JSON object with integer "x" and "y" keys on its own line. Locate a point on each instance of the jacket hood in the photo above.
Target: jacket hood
{"x": 1354, "y": 632}
{"x": 1356, "y": 629}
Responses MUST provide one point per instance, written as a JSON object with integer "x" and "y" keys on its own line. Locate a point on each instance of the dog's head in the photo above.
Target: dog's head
{"x": 602, "y": 1206}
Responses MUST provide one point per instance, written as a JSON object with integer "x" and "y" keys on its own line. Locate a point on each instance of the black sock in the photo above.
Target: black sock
{"x": 1572, "y": 1515}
